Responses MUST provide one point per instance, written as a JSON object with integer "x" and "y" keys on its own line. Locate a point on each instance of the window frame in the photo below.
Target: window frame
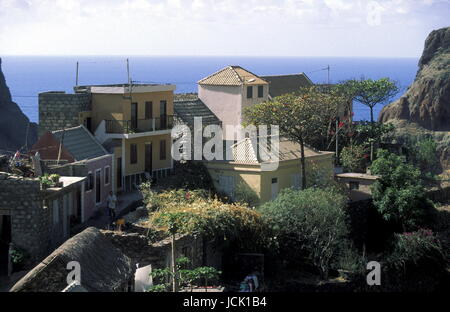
{"x": 162, "y": 150}
{"x": 133, "y": 153}
{"x": 260, "y": 91}
{"x": 249, "y": 92}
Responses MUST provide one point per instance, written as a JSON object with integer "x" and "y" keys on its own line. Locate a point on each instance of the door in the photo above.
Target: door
{"x": 134, "y": 116}
{"x": 148, "y": 158}
{"x": 119, "y": 172}
{"x": 98, "y": 187}
{"x": 274, "y": 190}
{"x": 226, "y": 184}
{"x": 163, "y": 114}
{"x": 5, "y": 239}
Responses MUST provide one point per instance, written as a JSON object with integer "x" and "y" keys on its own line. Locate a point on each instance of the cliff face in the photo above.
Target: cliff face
{"x": 13, "y": 122}
{"x": 427, "y": 100}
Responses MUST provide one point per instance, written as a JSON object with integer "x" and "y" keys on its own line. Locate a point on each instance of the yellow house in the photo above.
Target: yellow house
{"x": 134, "y": 123}
{"x": 247, "y": 170}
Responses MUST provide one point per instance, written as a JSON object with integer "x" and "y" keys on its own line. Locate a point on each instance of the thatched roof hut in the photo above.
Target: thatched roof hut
{"x": 103, "y": 267}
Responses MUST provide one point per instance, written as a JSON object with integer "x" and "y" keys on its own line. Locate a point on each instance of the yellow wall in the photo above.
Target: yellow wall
{"x": 261, "y": 181}
{"x": 139, "y": 167}
{"x": 117, "y": 106}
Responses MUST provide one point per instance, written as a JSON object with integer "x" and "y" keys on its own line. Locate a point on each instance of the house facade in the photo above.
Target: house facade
{"x": 79, "y": 154}
{"x": 132, "y": 121}
{"x": 246, "y": 170}
{"x": 34, "y": 219}
{"x": 229, "y": 91}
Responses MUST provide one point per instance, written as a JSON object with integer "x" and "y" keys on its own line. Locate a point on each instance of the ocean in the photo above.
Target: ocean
{"x": 27, "y": 76}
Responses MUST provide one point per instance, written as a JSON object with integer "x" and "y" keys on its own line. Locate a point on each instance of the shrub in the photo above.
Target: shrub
{"x": 354, "y": 158}
{"x": 416, "y": 259}
{"x": 399, "y": 195}
{"x": 311, "y": 222}
{"x": 245, "y": 195}
{"x": 196, "y": 213}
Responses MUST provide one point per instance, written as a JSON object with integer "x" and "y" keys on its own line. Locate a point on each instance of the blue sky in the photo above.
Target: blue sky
{"x": 362, "y": 28}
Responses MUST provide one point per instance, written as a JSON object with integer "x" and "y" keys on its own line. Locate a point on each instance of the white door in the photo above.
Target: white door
{"x": 226, "y": 184}
{"x": 274, "y": 188}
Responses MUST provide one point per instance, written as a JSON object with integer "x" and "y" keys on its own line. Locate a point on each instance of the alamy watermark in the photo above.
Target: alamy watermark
{"x": 242, "y": 143}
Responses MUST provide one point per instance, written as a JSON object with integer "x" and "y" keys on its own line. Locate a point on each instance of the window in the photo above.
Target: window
{"x": 133, "y": 153}
{"x": 354, "y": 185}
{"x": 89, "y": 183}
{"x": 249, "y": 92}
{"x": 274, "y": 180}
{"x": 148, "y": 110}
{"x": 260, "y": 91}
{"x": 162, "y": 149}
{"x": 107, "y": 173}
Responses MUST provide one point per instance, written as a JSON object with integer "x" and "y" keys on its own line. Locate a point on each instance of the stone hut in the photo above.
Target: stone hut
{"x": 103, "y": 267}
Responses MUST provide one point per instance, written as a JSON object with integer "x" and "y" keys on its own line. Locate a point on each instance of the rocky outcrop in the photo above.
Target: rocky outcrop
{"x": 15, "y": 128}
{"x": 427, "y": 100}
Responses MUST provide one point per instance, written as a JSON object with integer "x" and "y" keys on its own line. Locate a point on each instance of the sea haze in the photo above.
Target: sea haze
{"x": 26, "y": 76}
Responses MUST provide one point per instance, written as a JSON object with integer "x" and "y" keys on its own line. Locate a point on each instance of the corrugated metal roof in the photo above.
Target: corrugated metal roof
{"x": 80, "y": 143}
{"x": 282, "y": 84}
{"x": 232, "y": 76}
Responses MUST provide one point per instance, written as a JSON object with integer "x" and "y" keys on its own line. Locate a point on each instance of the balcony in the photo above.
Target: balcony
{"x": 139, "y": 125}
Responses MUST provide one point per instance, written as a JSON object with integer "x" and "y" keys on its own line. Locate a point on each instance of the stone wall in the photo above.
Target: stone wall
{"x": 31, "y": 215}
{"x": 58, "y": 110}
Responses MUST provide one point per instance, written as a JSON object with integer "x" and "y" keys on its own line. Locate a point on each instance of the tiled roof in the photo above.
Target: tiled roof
{"x": 232, "y": 76}
{"x": 187, "y": 110}
{"x": 80, "y": 143}
{"x": 185, "y": 96}
{"x": 282, "y": 84}
{"x": 244, "y": 151}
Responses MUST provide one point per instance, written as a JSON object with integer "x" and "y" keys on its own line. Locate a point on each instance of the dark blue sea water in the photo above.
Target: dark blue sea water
{"x": 26, "y": 76}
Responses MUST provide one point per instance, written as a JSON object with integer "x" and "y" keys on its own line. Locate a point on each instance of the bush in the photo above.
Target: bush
{"x": 196, "y": 213}
{"x": 399, "y": 195}
{"x": 416, "y": 261}
{"x": 311, "y": 222}
{"x": 245, "y": 195}
{"x": 354, "y": 158}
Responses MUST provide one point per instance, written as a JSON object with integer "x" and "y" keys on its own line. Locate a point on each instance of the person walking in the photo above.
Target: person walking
{"x": 112, "y": 204}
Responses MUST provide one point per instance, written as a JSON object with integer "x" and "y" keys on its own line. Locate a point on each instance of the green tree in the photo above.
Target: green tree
{"x": 304, "y": 117}
{"x": 398, "y": 194}
{"x": 354, "y": 158}
{"x": 371, "y": 92}
{"x": 311, "y": 222}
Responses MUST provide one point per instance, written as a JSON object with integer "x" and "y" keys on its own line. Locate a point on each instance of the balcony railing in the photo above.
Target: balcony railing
{"x": 139, "y": 125}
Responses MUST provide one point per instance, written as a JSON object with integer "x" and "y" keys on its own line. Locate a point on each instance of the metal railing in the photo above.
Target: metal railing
{"x": 139, "y": 125}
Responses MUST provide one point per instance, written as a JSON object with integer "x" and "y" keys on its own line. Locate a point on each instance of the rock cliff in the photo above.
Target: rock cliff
{"x": 15, "y": 127}
{"x": 427, "y": 100}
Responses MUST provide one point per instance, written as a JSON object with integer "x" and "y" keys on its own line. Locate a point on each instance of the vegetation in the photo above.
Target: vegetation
{"x": 371, "y": 92}
{"x": 398, "y": 195}
{"x": 311, "y": 222}
{"x": 297, "y": 117}
{"x": 354, "y": 158}
{"x": 184, "y": 276}
{"x": 49, "y": 180}
{"x": 245, "y": 195}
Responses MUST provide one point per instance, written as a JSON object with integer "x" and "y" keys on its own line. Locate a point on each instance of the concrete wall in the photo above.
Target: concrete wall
{"x": 254, "y": 100}
{"x": 118, "y": 107}
{"x": 225, "y": 102}
{"x": 58, "y": 110}
{"x": 261, "y": 181}
{"x": 90, "y": 205}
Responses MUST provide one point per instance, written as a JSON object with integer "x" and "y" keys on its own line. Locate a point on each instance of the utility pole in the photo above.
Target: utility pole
{"x": 60, "y": 146}
{"x": 76, "y": 76}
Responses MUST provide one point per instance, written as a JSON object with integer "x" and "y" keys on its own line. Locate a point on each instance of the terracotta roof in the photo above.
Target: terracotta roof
{"x": 282, "y": 84}
{"x": 232, "y": 76}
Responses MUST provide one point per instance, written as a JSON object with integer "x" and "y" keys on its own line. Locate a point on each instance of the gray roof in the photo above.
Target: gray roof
{"x": 103, "y": 267}
{"x": 80, "y": 143}
{"x": 282, "y": 84}
{"x": 187, "y": 110}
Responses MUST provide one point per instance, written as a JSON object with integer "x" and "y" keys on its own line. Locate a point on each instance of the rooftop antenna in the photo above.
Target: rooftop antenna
{"x": 76, "y": 77}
